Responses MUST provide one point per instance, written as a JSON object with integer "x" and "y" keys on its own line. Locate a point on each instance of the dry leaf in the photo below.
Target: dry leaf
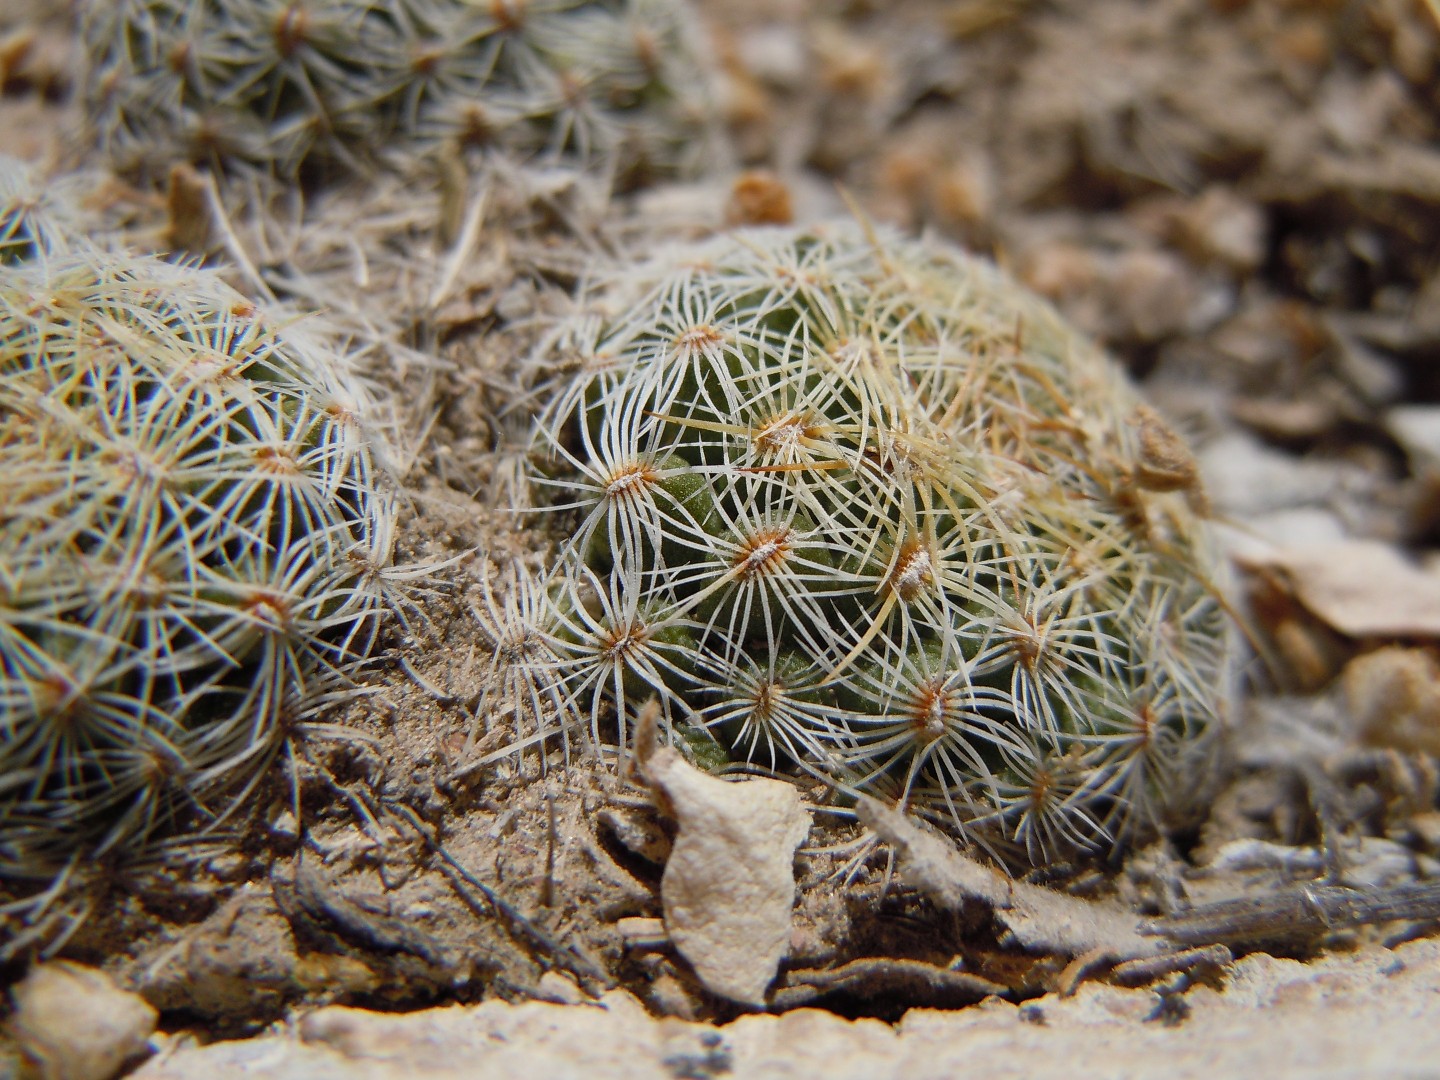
{"x": 1363, "y": 589}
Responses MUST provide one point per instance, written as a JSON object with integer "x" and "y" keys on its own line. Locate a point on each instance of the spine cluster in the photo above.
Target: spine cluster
{"x": 194, "y": 531}
{"x": 286, "y": 84}
{"x": 861, "y": 505}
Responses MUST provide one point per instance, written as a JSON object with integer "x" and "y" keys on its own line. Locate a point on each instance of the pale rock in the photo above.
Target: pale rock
{"x": 1301, "y": 527}
{"x": 560, "y": 989}
{"x": 1417, "y": 429}
{"x": 729, "y": 885}
{"x": 1246, "y": 478}
{"x": 1394, "y": 697}
{"x": 73, "y": 1023}
{"x": 1224, "y": 227}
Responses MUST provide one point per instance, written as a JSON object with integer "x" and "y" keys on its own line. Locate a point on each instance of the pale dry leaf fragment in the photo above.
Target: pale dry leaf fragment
{"x": 1038, "y": 919}
{"x": 1362, "y": 588}
{"x": 73, "y": 1023}
{"x": 729, "y": 884}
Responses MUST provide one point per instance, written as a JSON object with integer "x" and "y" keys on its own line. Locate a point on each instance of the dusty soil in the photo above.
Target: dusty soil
{"x": 1276, "y": 1016}
{"x": 1241, "y": 198}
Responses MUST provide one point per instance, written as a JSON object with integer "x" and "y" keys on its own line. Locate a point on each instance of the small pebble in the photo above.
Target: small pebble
{"x": 73, "y": 1023}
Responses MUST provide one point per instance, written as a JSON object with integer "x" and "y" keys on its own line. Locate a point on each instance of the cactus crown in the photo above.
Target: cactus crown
{"x": 864, "y": 506}
{"x": 193, "y": 528}
{"x": 286, "y": 83}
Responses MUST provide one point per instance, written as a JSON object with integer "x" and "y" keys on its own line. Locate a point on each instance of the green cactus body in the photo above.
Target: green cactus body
{"x": 293, "y": 83}
{"x": 193, "y": 528}
{"x": 916, "y": 551}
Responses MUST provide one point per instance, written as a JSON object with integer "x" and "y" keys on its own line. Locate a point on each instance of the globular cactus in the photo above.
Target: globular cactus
{"x": 195, "y": 530}
{"x": 614, "y": 84}
{"x": 36, "y": 220}
{"x": 863, "y": 506}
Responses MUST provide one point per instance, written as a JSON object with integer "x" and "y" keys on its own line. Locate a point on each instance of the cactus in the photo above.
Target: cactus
{"x": 35, "y": 222}
{"x": 195, "y": 530}
{"x": 862, "y": 506}
{"x": 293, "y": 83}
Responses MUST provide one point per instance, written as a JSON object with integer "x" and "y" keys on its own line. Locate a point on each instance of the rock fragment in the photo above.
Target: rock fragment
{"x": 73, "y": 1023}
{"x": 729, "y": 884}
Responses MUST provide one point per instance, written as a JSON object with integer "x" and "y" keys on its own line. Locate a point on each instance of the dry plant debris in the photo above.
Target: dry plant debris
{"x": 1038, "y": 919}
{"x": 1362, "y": 589}
{"x": 1103, "y": 932}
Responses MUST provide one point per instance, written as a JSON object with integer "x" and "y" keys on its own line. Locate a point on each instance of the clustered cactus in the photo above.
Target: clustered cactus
{"x": 285, "y": 84}
{"x": 861, "y": 505}
{"x": 195, "y": 530}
